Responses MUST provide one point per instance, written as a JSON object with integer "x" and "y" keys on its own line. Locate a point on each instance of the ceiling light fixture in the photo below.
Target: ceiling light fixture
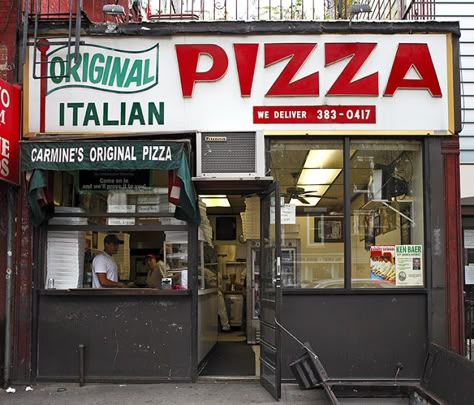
{"x": 212, "y": 201}
{"x": 318, "y": 178}
{"x": 321, "y": 158}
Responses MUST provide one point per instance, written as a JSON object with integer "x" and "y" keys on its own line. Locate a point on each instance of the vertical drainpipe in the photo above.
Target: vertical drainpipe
{"x": 8, "y": 287}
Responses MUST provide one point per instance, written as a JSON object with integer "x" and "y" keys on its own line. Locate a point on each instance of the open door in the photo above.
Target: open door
{"x": 270, "y": 291}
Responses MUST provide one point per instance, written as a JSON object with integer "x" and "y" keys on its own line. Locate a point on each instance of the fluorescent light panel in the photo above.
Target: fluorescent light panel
{"x": 317, "y": 178}
{"x": 321, "y": 158}
{"x": 215, "y": 200}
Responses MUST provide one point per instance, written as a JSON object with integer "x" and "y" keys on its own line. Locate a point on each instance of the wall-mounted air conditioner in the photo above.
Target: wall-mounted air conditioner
{"x": 230, "y": 154}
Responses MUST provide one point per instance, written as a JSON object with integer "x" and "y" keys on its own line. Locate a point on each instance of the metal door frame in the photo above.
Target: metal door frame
{"x": 270, "y": 374}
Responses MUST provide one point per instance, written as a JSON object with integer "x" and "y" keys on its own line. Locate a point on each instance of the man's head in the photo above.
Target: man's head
{"x": 150, "y": 260}
{"x": 111, "y": 244}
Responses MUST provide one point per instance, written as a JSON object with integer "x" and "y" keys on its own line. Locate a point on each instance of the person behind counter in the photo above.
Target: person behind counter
{"x": 154, "y": 275}
{"x": 104, "y": 268}
{"x": 162, "y": 266}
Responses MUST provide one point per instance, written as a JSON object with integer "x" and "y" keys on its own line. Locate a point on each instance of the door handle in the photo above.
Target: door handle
{"x": 276, "y": 280}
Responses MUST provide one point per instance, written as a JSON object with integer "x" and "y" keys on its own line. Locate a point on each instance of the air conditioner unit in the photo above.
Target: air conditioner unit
{"x": 230, "y": 154}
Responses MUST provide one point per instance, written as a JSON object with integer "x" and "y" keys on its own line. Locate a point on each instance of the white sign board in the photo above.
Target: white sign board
{"x": 287, "y": 214}
{"x": 368, "y": 82}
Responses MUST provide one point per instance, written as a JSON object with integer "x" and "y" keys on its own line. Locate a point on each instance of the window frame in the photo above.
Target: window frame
{"x": 347, "y": 249}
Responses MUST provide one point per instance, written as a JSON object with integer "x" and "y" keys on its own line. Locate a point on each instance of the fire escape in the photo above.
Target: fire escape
{"x": 46, "y": 24}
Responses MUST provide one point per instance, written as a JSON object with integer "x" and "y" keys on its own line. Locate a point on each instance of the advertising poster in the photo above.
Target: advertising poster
{"x": 382, "y": 262}
{"x": 409, "y": 265}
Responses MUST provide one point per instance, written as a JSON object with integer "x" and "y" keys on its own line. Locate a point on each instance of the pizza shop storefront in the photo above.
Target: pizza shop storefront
{"x": 80, "y": 191}
{"x": 342, "y": 149}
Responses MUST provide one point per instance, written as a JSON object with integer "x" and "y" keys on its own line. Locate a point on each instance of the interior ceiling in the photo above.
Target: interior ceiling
{"x": 286, "y": 167}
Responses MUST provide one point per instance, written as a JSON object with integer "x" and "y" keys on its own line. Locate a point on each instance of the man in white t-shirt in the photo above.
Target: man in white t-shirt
{"x": 104, "y": 269}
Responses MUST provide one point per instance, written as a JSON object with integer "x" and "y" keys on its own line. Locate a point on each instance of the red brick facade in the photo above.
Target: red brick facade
{"x": 8, "y": 23}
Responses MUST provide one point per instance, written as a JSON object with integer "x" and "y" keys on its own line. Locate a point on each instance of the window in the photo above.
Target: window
{"x": 133, "y": 204}
{"x": 311, "y": 182}
{"x": 386, "y": 212}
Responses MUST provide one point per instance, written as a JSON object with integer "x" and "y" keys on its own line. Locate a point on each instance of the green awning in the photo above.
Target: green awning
{"x": 116, "y": 155}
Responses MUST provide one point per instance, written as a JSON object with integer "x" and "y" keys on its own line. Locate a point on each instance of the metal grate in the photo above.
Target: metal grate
{"x": 232, "y": 152}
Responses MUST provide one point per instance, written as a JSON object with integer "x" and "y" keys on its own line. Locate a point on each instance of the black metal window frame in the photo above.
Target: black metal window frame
{"x": 346, "y": 141}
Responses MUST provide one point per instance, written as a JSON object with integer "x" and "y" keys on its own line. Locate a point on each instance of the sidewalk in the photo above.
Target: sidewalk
{"x": 212, "y": 393}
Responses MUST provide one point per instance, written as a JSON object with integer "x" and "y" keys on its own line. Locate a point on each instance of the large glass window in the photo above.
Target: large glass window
{"x": 386, "y": 214}
{"x": 133, "y": 205}
{"x": 311, "y": 180}
{"x": 385, "y": 195}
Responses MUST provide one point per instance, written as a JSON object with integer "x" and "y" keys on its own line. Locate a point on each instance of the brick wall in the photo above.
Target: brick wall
{"x": 8, "y": 20}
{"x": 92, "y": 8}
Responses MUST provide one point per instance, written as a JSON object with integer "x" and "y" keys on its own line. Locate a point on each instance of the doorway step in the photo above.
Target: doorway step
{"x": 229, "y": 359}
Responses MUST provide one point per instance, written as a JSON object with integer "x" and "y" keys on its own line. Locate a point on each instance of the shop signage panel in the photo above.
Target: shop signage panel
{"x": 114, "y": 180}
{"x": 9, "y": 132}
{"x": 101, "y": 155}
{"x": 113, "y": 155}
{"x": 375, "y": 84}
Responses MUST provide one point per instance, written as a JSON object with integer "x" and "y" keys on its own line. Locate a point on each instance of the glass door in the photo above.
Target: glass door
{"x": 270, "y": 288}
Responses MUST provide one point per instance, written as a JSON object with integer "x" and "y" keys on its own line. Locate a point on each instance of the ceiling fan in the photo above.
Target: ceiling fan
{"x": 300, "y": 194}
